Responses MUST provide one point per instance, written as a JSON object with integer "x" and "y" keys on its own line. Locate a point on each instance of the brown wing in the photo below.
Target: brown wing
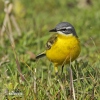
{"x": 51, "y": 41}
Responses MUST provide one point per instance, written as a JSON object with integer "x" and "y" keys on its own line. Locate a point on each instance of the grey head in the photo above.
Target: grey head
{"x": 65, "y": 28}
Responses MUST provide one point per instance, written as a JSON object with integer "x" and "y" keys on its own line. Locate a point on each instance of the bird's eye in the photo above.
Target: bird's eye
{"x": 64, "y": 29}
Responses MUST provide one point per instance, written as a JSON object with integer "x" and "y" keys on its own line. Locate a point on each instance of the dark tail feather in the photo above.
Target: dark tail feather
{"x": 40, "y": 55}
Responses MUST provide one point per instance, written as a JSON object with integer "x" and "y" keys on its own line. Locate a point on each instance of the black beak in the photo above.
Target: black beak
{"x": 53, "y": 30}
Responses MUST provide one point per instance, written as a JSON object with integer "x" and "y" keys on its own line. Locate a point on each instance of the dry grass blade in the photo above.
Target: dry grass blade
{"x": 63, "y": 90}
{"x": 72, "y": 90}
{"x": 15, "y": 24}
{"x": 15, "y": 55}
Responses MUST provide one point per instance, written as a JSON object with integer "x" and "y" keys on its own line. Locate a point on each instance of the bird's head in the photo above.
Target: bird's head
{"x": 64, "y": 28}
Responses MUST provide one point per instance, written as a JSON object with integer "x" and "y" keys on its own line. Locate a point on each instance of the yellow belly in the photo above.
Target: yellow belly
{"x": 64, "y": 50}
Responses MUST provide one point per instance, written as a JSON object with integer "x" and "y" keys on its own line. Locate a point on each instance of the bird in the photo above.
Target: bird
{"x": 63, "y": 46}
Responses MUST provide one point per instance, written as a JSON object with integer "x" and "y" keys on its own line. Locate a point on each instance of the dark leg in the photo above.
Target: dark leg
{"x": 62, "y": 69}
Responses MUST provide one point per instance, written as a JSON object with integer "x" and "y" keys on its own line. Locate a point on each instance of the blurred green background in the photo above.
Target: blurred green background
{"x": 35, "y": 18}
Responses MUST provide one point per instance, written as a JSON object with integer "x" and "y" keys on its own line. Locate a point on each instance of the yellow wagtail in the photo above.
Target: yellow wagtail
{"x": 63, "y": 47}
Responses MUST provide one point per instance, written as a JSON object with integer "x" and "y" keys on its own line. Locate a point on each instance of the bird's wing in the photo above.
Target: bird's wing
{"x": 49, "y": 44}
{"x": 51, "y": 41}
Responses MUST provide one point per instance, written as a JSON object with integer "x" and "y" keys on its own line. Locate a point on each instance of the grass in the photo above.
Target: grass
{"x": 40, "y": 82}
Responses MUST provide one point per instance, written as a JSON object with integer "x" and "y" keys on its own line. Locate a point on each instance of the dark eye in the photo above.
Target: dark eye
{"x": 64, "y": 29}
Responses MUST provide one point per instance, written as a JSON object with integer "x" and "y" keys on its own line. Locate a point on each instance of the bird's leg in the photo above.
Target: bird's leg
{"x": 56, "y": 69}
{"x": 63, "y": 64}
{"x": 62, "y": 69}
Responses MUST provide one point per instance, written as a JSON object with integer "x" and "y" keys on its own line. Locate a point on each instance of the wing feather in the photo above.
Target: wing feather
{"x": 51, "y": 41}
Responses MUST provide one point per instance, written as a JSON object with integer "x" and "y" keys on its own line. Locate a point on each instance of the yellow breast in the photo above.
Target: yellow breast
{"x": 65, "y": 49}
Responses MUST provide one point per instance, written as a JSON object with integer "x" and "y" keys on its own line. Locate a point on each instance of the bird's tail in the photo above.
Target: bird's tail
{"x": 41, "y": 55}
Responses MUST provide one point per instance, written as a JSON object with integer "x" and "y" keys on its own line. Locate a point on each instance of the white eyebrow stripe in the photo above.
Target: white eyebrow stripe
{"x": 68, "y": 27}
